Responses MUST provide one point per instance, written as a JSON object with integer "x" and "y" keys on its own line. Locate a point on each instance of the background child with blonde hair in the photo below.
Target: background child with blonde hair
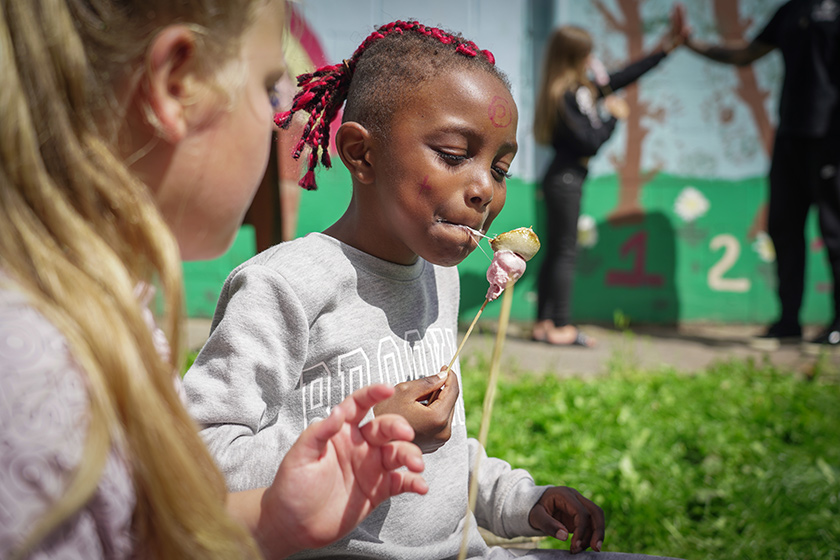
{"x": 123, "y": 123}
{"x": 428, "y": 137}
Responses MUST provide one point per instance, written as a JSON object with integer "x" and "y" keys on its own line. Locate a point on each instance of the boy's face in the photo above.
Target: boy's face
{"x": 443, "y": 165}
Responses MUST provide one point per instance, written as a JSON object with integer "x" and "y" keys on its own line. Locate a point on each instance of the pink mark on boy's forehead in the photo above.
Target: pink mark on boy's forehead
{"x": 500, "y": 112}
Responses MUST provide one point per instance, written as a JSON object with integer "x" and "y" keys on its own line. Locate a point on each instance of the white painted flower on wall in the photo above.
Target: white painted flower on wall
{"x": 587, "y": 231}
{"x": 691, "y": 204}
{"x": 763, "y": 245}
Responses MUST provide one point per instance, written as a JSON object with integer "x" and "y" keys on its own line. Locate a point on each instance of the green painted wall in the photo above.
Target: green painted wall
{"x": 203, "y": 279}
{"x": 702, "y": 266}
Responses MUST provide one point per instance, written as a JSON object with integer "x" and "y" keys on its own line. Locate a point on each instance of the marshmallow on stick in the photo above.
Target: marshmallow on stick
{"x": 510, "y": 252}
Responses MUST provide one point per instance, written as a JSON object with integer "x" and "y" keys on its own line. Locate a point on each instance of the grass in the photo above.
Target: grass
{"x": 740, "y": 461}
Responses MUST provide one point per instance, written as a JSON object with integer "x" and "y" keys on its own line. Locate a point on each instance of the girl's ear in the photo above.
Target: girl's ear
{"x": 355, "y": 148}
{"x": 170, "y": 67}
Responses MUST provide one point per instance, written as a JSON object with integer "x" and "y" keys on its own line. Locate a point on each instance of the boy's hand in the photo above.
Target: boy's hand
{"x": 432, "y": 420}
{"x": 562, "y": 510}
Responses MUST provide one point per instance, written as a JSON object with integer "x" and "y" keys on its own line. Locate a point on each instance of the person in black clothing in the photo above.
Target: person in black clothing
{"x": 570, "y": 117}
{"x": 806, "y": 150}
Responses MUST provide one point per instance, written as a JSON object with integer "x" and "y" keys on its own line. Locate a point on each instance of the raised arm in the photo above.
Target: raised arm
{"x": 738, "y": 54}
{"x": 676, "y": 35}
{"x": 730, "y": 54}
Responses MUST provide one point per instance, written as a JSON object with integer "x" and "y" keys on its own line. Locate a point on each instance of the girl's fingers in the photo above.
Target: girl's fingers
{"x": 316, "y": 436}
{"x": 385, "y": 428}
{"x": 403, "y": 481}
{"x": 357, "y": 405}
{"x": 402, "y": 454}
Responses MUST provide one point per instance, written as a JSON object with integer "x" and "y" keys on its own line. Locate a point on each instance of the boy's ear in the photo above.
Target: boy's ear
{"x": 354, "y": 144}
{"x": 170, "y": 66}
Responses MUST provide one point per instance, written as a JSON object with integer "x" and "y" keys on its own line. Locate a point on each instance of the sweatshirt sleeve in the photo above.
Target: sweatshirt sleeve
{"x": 634, "y": 71}
{"x": 236, "y": 386}
{"x": 505, "y": 495}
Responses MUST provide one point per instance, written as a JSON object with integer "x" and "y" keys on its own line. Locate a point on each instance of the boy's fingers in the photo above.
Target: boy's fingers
{"x": 578, "y": 507}
{"x": 545, "y": 522}
{"x": 431, "y": 383}
{"x": 589, "y": 522}
{"x": 583, "y": 532}
{"x": 447, "y": 393}
{"x": 598, "y": 524}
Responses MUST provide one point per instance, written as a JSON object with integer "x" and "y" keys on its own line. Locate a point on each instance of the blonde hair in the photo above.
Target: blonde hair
{"x": 563, "y": 68}
{"x": 79, "y": 232}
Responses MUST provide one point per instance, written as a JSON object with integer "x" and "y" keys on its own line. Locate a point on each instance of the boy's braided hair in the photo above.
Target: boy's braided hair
{"x": 379, "y": 79}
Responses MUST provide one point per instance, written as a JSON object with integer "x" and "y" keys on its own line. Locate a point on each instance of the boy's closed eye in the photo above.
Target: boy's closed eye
{"x": 501, "y": 173}
{"x": 450, "y": 158}
{"x": 456, "y": 159}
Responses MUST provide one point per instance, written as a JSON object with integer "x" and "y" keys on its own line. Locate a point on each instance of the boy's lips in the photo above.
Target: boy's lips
{"x": 473, "y": 229}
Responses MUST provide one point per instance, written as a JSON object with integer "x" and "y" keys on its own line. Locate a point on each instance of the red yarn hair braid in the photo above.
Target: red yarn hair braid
{"x": 323, "y": 92}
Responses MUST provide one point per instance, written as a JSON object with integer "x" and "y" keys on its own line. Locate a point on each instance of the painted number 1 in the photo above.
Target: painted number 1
{"x": 637, "y": 277}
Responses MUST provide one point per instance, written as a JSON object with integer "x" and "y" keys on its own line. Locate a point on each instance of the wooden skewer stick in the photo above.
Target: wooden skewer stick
{"x": 504, "y": 316}
{"x": 467, "y": 334}
{"x": 435, "y": 394}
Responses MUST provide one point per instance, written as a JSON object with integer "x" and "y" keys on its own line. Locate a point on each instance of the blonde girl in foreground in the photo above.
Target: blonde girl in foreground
{"x": 125, "y": 123}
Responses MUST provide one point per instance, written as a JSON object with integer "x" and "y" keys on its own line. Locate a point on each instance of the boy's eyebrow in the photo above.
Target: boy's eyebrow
{"x": 512, "y": 147}
{"x": 469, "y": 131}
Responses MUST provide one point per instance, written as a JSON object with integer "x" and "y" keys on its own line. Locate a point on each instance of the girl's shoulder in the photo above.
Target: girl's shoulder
{"x": 583, "y": 96}
{"x": 29, "y": 343}
{"x": 43, "y": 414}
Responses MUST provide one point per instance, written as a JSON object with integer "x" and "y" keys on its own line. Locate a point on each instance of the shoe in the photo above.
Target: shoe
{"x": 581, "y": 339}
{"x": 776, "y": 335}
{"x": 829, "y": 340}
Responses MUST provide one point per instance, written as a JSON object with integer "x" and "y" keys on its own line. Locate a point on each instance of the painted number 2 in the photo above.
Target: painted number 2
{"x": 732, "y": 249}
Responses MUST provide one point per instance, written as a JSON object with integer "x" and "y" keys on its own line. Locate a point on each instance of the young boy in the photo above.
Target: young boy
{"x": 428, "y": 137}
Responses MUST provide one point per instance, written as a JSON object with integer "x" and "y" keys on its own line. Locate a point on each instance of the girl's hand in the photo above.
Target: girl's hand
{"x": 429, "y": 405}
{"x": 617, "y": 106}
{"x": 679, "y": 32}
{"x": 336, "y": 473}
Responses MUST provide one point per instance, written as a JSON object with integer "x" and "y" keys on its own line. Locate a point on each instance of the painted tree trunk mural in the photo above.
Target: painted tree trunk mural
{"x": 732, "y": 28}
{"x": 630, "y": 176}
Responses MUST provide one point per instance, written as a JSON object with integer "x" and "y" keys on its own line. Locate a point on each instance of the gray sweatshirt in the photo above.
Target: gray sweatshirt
{"x": 301, "y": 326}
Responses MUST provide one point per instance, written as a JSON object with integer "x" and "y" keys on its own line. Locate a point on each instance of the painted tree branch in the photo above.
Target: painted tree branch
{"x": 609, "y": 17}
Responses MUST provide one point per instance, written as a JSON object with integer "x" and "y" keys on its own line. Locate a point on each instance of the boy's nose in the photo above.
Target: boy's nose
{"x": 480, "y": 192}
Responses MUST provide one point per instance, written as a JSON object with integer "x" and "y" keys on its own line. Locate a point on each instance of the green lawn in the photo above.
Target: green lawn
{"x": 740, "y": 461}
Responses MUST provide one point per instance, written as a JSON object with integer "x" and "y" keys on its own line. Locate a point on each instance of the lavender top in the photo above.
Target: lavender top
{"x": 43, "y": 425}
